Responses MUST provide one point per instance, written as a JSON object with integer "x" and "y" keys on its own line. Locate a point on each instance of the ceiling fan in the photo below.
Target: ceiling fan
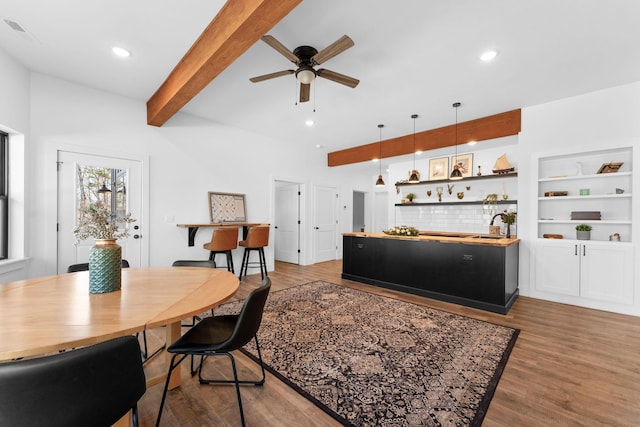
{"x": 306, "y": 58}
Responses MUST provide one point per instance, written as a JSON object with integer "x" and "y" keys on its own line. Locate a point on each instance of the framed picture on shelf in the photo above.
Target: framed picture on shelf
{"x": 438, "y": 168}
{"x": 227, "y": 207}
{"x": 465, "y": 164}
{"x": 610, "y": 167}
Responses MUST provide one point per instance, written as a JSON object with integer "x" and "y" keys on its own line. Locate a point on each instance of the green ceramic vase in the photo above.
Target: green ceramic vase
{"x": 105, "y": 266}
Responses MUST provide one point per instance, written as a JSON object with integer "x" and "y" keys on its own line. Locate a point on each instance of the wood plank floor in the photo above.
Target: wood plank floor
{"x": 571, "y": 366}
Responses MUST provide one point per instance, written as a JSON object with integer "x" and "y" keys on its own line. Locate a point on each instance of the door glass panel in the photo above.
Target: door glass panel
{"x": 101, "y": 184}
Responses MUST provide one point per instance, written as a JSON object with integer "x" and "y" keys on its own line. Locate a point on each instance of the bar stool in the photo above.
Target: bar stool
{"x": 223, "y": 241}
{"x": 257, "y": 239}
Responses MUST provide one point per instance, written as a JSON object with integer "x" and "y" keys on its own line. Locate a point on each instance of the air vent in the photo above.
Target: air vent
{"x": 19, "y": 29}
{"x": 14, "y": 25}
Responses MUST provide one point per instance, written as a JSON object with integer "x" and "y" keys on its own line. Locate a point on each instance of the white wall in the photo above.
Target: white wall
{"x": 588, "y": 122}
{"x": 188, "y": 157}
{"x": 14, "y": 120}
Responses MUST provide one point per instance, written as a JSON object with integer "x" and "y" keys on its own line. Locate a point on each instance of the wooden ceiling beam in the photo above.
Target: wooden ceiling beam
{"x": 496, "y": 126}
{"x": 238, "y": 25}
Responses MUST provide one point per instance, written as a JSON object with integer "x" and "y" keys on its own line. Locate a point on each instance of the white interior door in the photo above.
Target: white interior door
{"x": 325, "y": 223}
{"x": 127, "y": 188}
{"x": 287, "y": 222}
{"x": 380, "y": 212}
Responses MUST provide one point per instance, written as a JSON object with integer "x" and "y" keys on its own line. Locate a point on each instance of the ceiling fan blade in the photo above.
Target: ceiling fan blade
{"x": 305, "y": 90}
{"x": 271, "y": 76}
{"x": 271, "y": 41}
{"x": 339, "y": 46}
{"x": 337, "y": 77}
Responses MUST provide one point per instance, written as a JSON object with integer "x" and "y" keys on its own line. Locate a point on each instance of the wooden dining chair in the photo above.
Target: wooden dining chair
{"x": 220, "y": 335}
{"x": 90, "y": 386}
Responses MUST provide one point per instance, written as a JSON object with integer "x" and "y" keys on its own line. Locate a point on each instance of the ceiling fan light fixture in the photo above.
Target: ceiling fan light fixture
{"x": 305, "y": 75}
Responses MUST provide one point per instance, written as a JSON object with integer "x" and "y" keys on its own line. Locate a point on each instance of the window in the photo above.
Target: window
{"x": 4, "y": 196}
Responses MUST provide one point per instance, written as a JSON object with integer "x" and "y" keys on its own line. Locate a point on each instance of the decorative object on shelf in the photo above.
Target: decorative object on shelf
{"x": 450, "y": 188}
{"x": 490, "y": 203}
{"x": 402, "y": 230}
{"x": 438, "y": 168}
{"x": 555, "y": 193}
{"x": 505, "y": 196}
{"x": 552, "y": 236}
{"x": 105, "y": 257}
{"x": 610, "y": 167}
{"x": 464, "y": 162}
{"x": 410, "y": 197}
{"x": 468, "y": 187}
{"x": 589, "y": 215}
{"x": 460, "y": 195}
{"x": 456, "y": 173}
{"x": 227, "y": 207}
{"x": 584, "y": 191}
{"x": 619, "y": 191}
{"x": 583, "y": 232}
{"x": 380, "y": 181}
{"x": 439, "y": 191}
{"x": 502, "y": 165}
{"x": 479, "y": 171}
{"x": 615, "y": 237}
{"x": 428, "y": 193}
{"x": 414, "y": 177}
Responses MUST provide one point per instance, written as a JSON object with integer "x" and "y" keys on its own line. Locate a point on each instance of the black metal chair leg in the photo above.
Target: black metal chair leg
{"x": 172, "y": 366}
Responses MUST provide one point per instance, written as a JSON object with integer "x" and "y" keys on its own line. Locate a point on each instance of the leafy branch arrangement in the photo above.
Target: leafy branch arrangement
{"x": 95, "y": 221}
{"x": 402, "y": 230}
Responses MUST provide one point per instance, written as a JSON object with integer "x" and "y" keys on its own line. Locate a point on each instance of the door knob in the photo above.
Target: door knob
{"x": 316, "y": 228}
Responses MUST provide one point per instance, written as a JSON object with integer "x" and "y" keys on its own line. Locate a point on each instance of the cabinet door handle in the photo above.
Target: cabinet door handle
{"x": 584, "y": 250}
{"x": 575, "y": 251}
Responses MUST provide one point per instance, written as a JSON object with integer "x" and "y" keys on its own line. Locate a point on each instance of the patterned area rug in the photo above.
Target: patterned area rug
{"x": 369, "y": 360}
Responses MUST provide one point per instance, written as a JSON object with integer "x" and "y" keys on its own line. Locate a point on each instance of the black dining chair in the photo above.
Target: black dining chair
{"x": 84, "y": 266}
{"x": 90, "y": 386}
{"x": 74, "y": 268}
{"x": 202, "y": 263}
{"x": 220, "y": 335}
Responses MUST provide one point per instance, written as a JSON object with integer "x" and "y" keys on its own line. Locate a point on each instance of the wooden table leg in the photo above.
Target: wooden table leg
{"x": 174, "y": 331}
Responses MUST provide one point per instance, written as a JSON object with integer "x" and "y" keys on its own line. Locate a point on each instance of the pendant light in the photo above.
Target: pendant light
{"x": 455, "y": 172}
{"x": 413, "y": 178}
{"x": 380, "y": 182}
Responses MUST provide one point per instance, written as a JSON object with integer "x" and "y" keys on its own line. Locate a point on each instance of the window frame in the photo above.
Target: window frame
{"x": 4, "y": 195}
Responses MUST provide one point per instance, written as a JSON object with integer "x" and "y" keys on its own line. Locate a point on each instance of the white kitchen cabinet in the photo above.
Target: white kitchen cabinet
{"x": 596, "y": 273}
{"x": 601, "y": 271}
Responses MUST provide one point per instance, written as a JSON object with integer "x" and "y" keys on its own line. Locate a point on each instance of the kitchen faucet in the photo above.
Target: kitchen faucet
{"x": 502, "y": 216}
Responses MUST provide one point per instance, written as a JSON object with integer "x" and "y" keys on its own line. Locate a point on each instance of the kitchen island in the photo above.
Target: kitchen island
{"x": 476, "y": 270}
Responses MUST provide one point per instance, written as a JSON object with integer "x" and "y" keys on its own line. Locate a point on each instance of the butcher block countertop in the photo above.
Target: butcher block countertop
{"x": 446, "y": 236}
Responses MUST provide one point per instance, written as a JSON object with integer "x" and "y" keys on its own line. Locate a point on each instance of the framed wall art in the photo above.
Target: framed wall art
{"x": 438, "y": 168}
{"x": 227, "y": 207}
{"x": 465, "y": 164}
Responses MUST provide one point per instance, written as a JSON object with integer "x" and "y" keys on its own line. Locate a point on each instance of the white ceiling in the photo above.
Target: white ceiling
{"x": 411, "y": 56}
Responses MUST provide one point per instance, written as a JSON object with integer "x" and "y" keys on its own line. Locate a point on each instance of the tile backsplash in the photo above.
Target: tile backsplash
{"x": 449, "y": 217}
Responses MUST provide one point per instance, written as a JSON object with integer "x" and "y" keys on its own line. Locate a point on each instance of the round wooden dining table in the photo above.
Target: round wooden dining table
{"x": 48, "y": 314}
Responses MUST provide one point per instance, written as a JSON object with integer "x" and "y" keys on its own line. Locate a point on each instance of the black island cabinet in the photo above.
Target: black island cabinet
{"x": 482, "y": 276}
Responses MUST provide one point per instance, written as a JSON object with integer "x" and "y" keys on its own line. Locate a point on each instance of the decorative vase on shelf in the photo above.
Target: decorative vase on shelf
{"x": 105, "y": 266}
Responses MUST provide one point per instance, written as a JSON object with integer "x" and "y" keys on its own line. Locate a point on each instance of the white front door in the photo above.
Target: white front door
{"x": 325, "y": 227}
{"x": 122, "y": 176}
{"x": 287, "y": 222}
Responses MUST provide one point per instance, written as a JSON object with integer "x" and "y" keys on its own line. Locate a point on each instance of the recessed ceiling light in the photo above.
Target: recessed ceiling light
{"x": 472, "y": 142}
{"x": 488, "y": 55}
{"x": 121, "y": 52}
{"x": 418, "y": 152}
{"x": 375, "y": 160}
{"x": 309, "y": 122}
